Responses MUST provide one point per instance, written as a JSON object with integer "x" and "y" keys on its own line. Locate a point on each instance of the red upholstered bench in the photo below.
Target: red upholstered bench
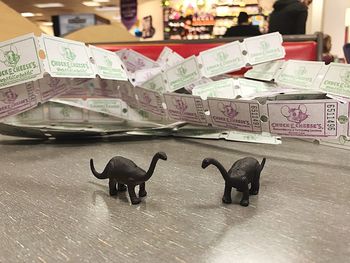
{"x": 306, "y": 50}
{"x": 300, "y": 47}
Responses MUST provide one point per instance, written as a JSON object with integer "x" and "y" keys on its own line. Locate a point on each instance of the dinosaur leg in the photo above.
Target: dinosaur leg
{"x": 112, "y": 186}
{"x": 134, "y": 199}
{"x": 121, "y": 187}
{"x": 245, "y": 197}
{"x": 254, "y": 190}
{"x": 142, "y": 191}
{"x": 227, "y": 195}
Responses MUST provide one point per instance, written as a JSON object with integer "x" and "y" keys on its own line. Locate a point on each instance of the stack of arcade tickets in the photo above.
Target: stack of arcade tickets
{"x": 53, "y": 87}
{"x": 318, "y": 107}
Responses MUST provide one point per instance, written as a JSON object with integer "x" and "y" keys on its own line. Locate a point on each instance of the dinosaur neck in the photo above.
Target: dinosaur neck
{"x": 220, "y": 168}
{"x": 151, "y": 168}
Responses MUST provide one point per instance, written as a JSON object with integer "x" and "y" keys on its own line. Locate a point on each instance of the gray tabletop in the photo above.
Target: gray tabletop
{"x": 54, "y": 210}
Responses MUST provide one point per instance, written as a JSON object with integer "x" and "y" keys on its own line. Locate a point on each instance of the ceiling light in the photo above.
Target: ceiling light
{"x": 29, "y": 14}
{"x": 46, "y": 23}
{"x": 91, "y": 3}
{"x": 48, "y": 5}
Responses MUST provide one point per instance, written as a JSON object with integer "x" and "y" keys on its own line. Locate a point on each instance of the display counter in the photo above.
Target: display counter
{"x": 55, "y": 210}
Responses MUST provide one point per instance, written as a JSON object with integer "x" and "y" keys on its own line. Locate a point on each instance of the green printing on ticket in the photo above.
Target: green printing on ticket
{"x": 264, "y": 52}
{"x": 219, "y": 61}
{"x": 67, "y": 64}
{"x": 16, "y": 71}
{"x": 184, "y": 75}
{"x": 337, "y": 80}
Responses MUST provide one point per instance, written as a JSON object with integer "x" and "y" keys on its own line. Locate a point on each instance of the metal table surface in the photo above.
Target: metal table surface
{"x": 53, "y": 210}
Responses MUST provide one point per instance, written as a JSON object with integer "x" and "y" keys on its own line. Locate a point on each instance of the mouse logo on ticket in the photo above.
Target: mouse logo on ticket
{"x": 68, "y": 54}
{"x": 152, "y": 86}
{"x": 10, "y": 58}
{"x": 296, "y": 115}
{"x": 181, "y": 71}
{"x": 222, "y": 56}
{"x": 345, "y": 76}
{"x": 65, "y": 111}
{"x": 140, "y": 63}
{"x": 108, "y": 61}
{"x": 53, "y": 82}
{"x": 300, "y": 71}
{"x": 229, "y": 110}
{"x": 264, "y": 45}
{"x": 146, "y": 98}
{"x": 180, "y": 105}
{"x": 8, "y": 96}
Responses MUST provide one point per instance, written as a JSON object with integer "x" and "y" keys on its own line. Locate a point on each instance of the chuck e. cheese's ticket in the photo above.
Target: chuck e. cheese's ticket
{"x": 36, "y": 69}
{"x": 303, "y": 118}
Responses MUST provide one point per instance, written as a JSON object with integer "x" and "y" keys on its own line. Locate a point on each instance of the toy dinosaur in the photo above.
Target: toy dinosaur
{"x": 122, "y": 171}
{"x": 242, "y": 173}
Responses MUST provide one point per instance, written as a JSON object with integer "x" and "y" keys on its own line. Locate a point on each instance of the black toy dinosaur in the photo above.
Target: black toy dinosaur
{"x": 242, "y": 173}
{"x": 122, "y": 171}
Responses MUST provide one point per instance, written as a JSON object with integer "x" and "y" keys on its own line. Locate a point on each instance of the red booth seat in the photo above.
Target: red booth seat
{"x": 294, "y": 50}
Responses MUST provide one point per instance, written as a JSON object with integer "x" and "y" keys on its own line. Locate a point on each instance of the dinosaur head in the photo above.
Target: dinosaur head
{"x": 161, "y": 155}
{"x": 205, "y": 163}
{"x": 156, "y": 157}
{"x": 208, "y": 161}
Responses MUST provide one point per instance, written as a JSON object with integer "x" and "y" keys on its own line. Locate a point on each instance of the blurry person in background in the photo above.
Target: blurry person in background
{"x": 289, "y": 17}
{"x": 327, "y": 57}
{"x": 244, "y": 28}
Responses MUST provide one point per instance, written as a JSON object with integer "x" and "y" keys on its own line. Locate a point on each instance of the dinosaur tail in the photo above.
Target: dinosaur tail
{"x": 102, "y": 175}
{"x": 262, "y": 164}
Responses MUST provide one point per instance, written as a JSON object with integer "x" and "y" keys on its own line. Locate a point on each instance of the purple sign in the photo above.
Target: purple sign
{"x": 128, "y": 12}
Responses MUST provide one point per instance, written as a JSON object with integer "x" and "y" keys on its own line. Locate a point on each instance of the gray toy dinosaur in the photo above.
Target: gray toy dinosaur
{"x": 122, "y": 171}
{"x": 242, "y": 173}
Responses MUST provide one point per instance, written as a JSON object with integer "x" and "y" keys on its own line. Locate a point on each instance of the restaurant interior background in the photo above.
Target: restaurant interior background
{"x": 203, "y": 19}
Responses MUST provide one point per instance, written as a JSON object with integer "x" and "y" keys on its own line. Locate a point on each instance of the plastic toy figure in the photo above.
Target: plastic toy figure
{"x": 122, "y": 171}
{"x": 242, "y": 173}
